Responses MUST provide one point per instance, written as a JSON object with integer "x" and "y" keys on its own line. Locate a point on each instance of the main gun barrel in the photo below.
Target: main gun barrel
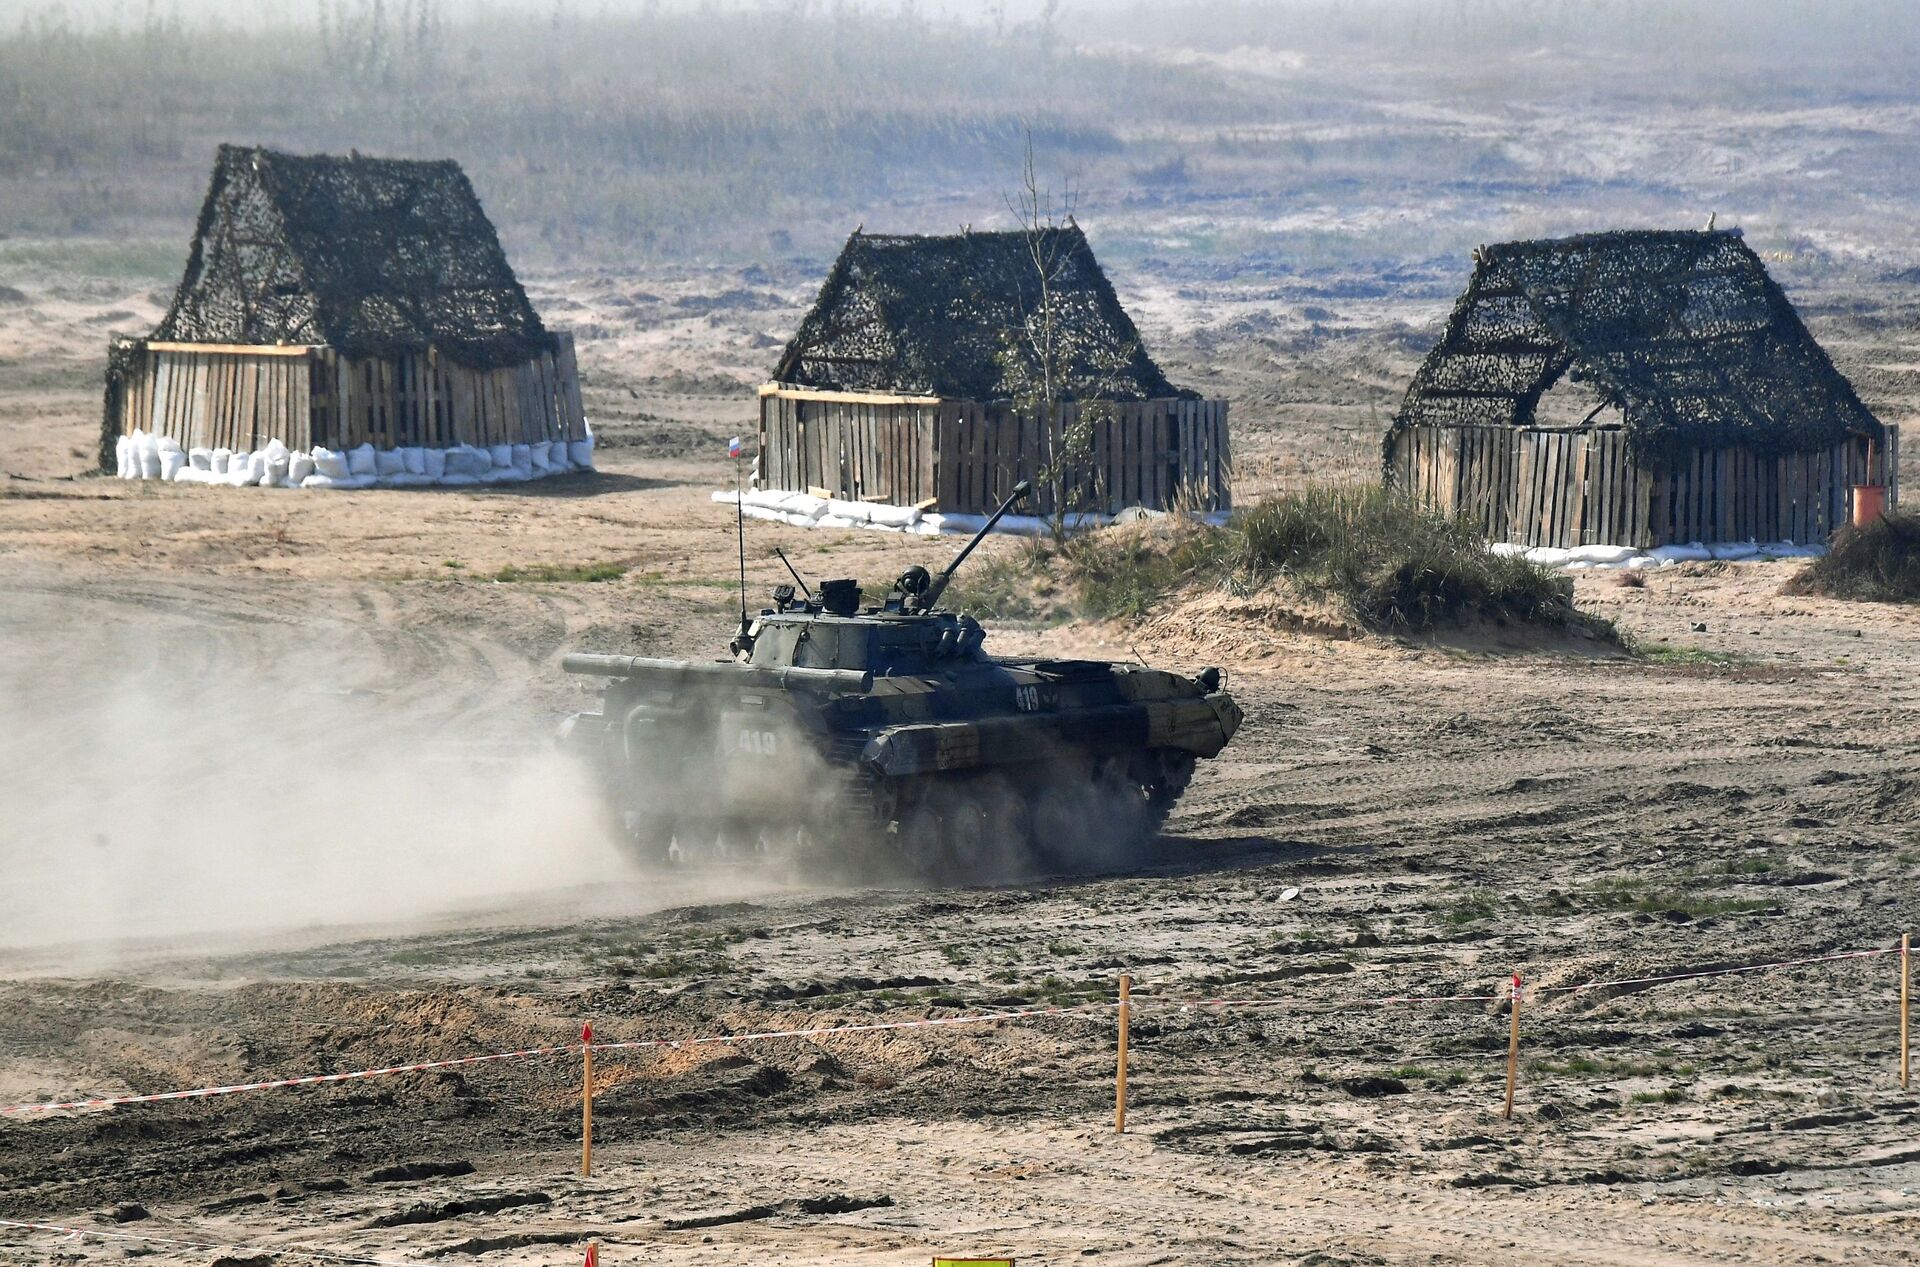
{"x": 719, "y": 672}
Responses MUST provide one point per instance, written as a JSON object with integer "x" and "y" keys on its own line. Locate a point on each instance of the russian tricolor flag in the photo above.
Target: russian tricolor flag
{"x": 736, "y": 447}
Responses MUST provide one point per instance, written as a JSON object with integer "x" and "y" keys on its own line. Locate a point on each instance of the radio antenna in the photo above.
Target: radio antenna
{"x": 794, "y": 573}
{"x": 735, "y": 448}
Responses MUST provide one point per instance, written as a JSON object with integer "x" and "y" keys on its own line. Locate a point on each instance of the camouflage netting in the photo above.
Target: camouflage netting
{"x": 371, "y": 256}
{"x": 945, "y": 316}
{"x": 1683, "y": 331}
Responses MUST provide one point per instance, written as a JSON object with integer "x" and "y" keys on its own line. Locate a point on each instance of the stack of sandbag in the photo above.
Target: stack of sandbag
{"x": 143, "y": 456}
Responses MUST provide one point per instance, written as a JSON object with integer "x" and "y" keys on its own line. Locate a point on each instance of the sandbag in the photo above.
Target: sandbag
{"x": 466, "y": 462}
{"x": 172, "y": 462}
{"x": 1690, "y": 553}
{"x": 361, "y": 460}
{"x": 316, "y": 480}
{"x": 896, "y": 516}
{"x": 1547, "y": 556}
{"x": 537, "y": 452}
{"x": 858, "y": 512}
{"x": 1601, "y": 554}
{"x": 1734, "y": 550}
{"x": 580, "y": 453}
{"x": 122, "y": 457}
{"x": 222, "y": 461}
{"x": 837, "y": 521}
{"x": 240, "y": 472}
{"x": 500, "y": 454}
{"x": 299, "y": 466}
{"x": 1507, "y": 549}
{"x": 414, "y": 459}
{"x": 389, "y": 462}
{"x": 331, "y": 464}
{"x": 200, "y": 458}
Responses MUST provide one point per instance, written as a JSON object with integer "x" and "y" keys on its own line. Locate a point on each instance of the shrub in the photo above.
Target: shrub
{"x": 1392, "y": 565}
{"x": 1878, "y": 563}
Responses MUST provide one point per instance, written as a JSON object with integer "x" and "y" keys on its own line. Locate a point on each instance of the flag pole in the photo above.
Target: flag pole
{"x": 740, "y": 528}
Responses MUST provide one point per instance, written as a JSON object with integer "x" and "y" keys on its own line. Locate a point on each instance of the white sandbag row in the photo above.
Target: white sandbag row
{"x": 804, "y": 510}
{"x": 1581, "y": 558}
{"x": 143, "y": 456}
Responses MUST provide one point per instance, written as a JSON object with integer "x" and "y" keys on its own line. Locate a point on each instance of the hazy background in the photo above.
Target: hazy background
{"x": 1306, "y": 134}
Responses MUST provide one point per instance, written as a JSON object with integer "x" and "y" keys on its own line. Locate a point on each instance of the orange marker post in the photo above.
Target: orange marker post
{"x": 1120, "y": 1069}
{"x": 1906, "y": 981}
{"x": 586, "y": 1116}
{"x": 1513, "y": 1048}
{"x": 593, "y": 1254}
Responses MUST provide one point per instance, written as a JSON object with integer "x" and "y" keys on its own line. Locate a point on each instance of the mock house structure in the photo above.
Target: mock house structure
{"x": 1634, "y": 389}
{"x": 346, "y": 304}
{"x": 918, "y": 379}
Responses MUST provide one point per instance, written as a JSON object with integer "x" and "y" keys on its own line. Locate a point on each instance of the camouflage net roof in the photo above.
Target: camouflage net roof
{"x": 1683, "y": 331}
{"x": 370, "y": 256}
{"x": 950, "y": 316}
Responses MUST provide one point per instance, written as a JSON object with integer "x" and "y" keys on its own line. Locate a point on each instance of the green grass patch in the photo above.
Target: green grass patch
{"x": 1629, "y": 895}
{"x": 1698, "y": 657}
{"x": 562, "y": 572}
{"x": 1389, "y": 564}
{"x": 140, "y": 260}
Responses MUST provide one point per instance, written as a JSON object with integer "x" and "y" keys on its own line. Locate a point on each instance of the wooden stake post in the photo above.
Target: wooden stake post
{"x": 586, "y": 1105}
{"x": 1513, "y": 1047}
{"x": 1120, "y": 1069}
{"x": 1906, "y": 981}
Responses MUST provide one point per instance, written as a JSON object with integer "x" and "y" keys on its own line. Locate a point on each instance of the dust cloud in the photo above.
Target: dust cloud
{"x": 169, "y": 783}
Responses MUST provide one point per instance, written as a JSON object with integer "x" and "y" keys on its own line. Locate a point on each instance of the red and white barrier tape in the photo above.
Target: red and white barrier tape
{"x": 304, "y": 1251}
{"x": 317, "y": 1079}
{"x": 1716, "y": 972}
{"x": 308, "y": 1080}
{"x": 980, "y": 1018}
{"x": 1505, "y": 994}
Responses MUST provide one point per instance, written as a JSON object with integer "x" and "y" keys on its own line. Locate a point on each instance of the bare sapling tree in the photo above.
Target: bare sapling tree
{"x": 1042, "y": 362}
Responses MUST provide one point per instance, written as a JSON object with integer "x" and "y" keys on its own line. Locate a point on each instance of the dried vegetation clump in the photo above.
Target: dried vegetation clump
{"x": 1877, "y": 563}
{"x": 1377, "y": 558}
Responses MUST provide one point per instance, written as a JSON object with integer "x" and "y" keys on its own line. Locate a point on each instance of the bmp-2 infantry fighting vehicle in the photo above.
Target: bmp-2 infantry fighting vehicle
{"x": 843, "y": 730}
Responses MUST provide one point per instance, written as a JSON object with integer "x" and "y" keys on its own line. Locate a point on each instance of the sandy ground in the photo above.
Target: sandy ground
{"x": 1393, "y": 819}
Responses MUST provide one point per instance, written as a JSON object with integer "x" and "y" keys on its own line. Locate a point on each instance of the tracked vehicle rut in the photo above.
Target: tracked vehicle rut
{"x": 886, "y": 732}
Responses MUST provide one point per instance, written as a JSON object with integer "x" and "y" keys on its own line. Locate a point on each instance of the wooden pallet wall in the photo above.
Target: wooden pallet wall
{"x": 242, "y": 397}
{"x": 1574, "y": 488}
{"x": 965, "y": 456}
{"x": 879, "y": 449}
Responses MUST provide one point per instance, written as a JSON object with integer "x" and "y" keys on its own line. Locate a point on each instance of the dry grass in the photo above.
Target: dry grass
{"x": 1390, "y": 565}
{"x": 1879, "y": 563}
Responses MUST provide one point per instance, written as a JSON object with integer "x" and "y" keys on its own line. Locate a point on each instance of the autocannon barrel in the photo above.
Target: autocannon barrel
{"x": 719, "y": 673}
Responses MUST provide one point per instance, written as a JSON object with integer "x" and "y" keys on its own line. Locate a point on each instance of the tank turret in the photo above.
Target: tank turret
{"x": 844, "y": 727}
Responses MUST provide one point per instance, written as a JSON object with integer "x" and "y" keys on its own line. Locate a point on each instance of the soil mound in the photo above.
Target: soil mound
{"x": 1878, "y": 563}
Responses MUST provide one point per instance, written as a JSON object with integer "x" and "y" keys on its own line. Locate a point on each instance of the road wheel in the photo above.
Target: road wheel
{"x": 648, "y": 838}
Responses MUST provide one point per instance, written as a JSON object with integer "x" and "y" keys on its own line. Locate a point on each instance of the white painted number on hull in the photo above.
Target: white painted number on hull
{"x": 759, "y": 742}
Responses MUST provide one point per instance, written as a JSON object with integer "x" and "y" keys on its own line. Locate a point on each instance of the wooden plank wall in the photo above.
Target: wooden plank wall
{"x": 315, "y": 396}
{"x": 966, "y": 456}
{"x": 221, "y": 400}
{"x": 1574, "y": 488}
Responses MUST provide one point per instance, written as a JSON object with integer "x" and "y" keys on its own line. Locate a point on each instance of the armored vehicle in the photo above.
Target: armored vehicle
{"x": 886, "y": 731}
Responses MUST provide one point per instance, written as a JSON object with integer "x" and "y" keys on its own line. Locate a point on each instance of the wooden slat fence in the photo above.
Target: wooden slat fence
{"x": 241, "y": 398}
{"x": 1574, "y": 488}
{"x": 964, "y": 457}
